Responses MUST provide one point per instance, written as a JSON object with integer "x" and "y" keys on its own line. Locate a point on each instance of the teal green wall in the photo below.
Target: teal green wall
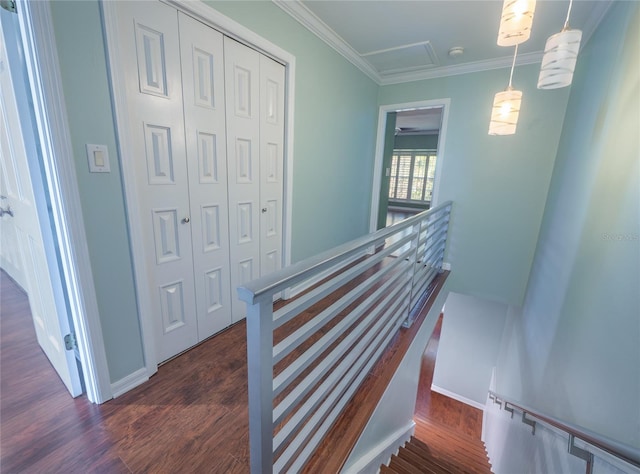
{"x": 82, "y": 58}
{"x": 335, "y": 128}
{"x": 580, "y": 346}
{"x": 498, "y": 184}
{"x": 334, "y": 148}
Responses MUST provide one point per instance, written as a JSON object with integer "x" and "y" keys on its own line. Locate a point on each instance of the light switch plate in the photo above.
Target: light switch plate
{"x": 98, "y": 156}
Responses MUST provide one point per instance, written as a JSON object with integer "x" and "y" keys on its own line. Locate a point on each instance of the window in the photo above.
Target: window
{"x": 412, "y": 175}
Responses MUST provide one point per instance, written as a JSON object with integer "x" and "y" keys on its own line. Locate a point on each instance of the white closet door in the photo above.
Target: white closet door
{"x": 242, "y": 66}
{"x": 150, "y": 45}
{"x": 271, "y": 163}
{"x": 204, "y": 115}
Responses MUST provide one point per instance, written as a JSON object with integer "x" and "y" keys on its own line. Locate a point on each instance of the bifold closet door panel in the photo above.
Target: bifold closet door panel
{"x": 205, "y": 135}
{"x": 149, "y": 43}
{"x": 272, "y": 76}
{"x": 242, "y": 66}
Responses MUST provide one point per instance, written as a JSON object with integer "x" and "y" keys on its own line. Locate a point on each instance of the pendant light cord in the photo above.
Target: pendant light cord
{"x": 566, "y": 22}
{"x": 513, "y": 64}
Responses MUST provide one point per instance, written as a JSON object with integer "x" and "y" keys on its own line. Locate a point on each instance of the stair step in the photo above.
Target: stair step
{"x": 426, "y": 465}
{"x": 384, "y": 469}
{"x": 437, "y": 440}
{"x": 467, "y": 455}
{"x": 443, "y": 465}
{"x": 402, "y": 466}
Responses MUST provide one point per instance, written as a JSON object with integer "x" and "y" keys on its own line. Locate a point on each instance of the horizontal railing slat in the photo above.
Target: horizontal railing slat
{"x": 296, "y": 307}
{"x": 283, "y": 379}
{"x": 329, "y": 418}
{"x": 287, "y": 345}
{"x": 291, "y": 275}
{"x": 309, "y": 360}
{"x": 345, "y": 366}
{"x": 332, "y": 405}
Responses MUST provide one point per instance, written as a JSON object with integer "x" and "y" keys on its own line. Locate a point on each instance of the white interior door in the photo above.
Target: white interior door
{"x": 208, "y": 167}
{"x": 204, "y": 117}
{"x": 22, "y": 230}
{"x": 149, "y": 42}
{"x": 242, "y": 82}
{"x": 271, "y": 163}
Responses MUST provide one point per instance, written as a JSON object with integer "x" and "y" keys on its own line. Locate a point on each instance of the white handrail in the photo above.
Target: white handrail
{"x": 308, "y": 358}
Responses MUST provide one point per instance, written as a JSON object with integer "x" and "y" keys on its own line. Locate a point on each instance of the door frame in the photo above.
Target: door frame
{"x": 117, "y": 76}
{"x": 43, "y": 70}
{"x": 382, "y": 125}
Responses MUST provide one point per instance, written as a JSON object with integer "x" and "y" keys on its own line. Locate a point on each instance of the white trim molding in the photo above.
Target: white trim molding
{"x": 117, "y": 77}
{"x": 310, "y": 21}
{"x": 455, "y": 396}
{"x": 129, "y": 382}
{"x": 379, "y": 157}
{"x": 36, "y": 25}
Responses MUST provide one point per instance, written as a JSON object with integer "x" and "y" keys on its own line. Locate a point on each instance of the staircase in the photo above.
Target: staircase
{"x": 446, "y": 452}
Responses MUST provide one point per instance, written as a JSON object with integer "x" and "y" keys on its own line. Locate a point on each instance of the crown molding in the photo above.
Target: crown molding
{"x": 466, "y": 68}
{"x": 310, "y": 21}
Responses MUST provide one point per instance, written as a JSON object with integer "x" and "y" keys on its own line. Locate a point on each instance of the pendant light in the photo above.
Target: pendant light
{"x": 515, "y": 22}
{"x": 506, "y": 108}
{"x": 560, "y": 55}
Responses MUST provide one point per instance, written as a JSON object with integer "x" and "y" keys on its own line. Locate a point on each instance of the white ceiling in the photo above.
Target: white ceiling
{"x": 419, "y": 121}
{"x": 395, "y": 41}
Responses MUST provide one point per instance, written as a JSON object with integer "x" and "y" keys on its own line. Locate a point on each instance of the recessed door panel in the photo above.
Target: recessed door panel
{"x": 243, "y": 91}
{"x": 207, "y": 157}
{"x": 172, "y": 304}
{"x": 211, "y": 228}
{"x": 203, "y": 77}
{"x": 166, "y": 238}
{"x": 159, "y": 154}
{"x": 150, "y": 60}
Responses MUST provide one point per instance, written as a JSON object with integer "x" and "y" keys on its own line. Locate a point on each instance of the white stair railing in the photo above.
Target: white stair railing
{"x": 308, "y": 358}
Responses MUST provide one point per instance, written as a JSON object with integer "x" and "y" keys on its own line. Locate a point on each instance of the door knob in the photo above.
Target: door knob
{"x": 6, "y": 211}
{"x": 186, "y": 220}
{"x": 264, "y": 209}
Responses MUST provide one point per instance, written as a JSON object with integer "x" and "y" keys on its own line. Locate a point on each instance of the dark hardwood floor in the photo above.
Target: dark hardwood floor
{"x": 190, "y": 417}
{"x": 438, "y": 409}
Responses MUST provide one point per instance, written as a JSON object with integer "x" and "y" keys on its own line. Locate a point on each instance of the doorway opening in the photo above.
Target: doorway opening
{"x": 409, "y": 152}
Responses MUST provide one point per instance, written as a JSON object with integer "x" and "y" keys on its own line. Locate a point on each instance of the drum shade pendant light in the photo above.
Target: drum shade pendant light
{"x": 515, "y": 22}
{"x": 560, "y": 55}
{"x": 506, "y": 108}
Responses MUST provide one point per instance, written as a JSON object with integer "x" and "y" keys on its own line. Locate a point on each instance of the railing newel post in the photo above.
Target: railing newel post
{"x": 260, "y": 372}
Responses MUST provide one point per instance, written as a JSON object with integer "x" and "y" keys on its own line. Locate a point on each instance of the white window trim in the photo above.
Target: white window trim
{"x": 225, "y": 25}
{"x": 377, "y": 169}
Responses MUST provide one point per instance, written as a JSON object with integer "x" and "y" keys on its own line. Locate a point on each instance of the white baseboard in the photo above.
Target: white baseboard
{"x": 129, "y": 382}
{"x": 455, "y": 396}
{"x": 370, "y": 463}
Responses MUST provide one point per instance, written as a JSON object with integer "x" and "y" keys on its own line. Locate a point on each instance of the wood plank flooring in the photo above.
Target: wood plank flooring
{"x": 190, "y": 417}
